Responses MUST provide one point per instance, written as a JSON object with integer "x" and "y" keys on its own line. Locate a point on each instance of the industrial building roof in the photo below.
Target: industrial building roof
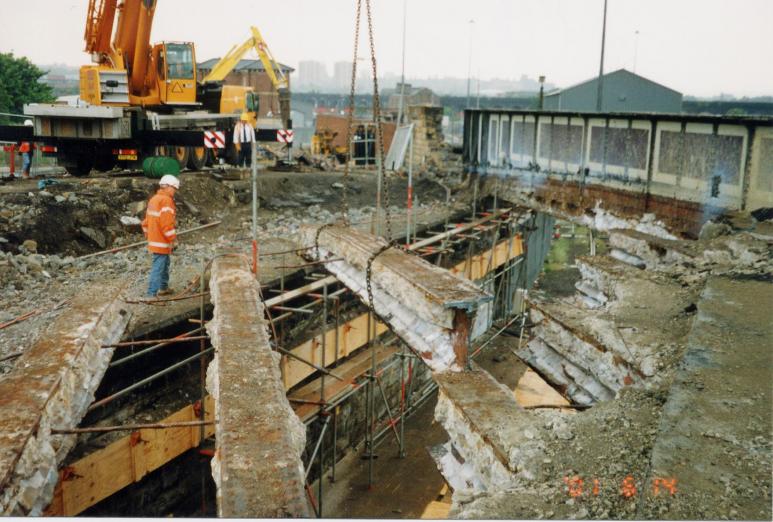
{"x": 244, "y": 65}
{"x": 607, "y": 75}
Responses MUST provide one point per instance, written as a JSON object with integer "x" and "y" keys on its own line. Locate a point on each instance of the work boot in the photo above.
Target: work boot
{"x": 165, "y": 291}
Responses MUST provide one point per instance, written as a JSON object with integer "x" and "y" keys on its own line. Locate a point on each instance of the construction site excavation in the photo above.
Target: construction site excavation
{"x": 223, "y": 296}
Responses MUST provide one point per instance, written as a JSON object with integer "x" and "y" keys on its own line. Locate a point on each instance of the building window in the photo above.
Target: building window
{"x": 179, "y": 61}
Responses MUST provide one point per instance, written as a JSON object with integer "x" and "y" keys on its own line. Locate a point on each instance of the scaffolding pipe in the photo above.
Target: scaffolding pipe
{"x": 121, "y": 393}
{"x": 143, "y": 243}
{"x": 322, "y": 399}
{"x": 401, "y": 452}
{"x": 173, "y": 340}
{"x": 146, "y": 351}
{"x": 392, "y": 421}
{"x": 371, "y": 395}
{"x": 131, "y": 427}
{"x": 202, "y": 359}
{"x": 335, "y": 444}
{"x": 316, "y": 448}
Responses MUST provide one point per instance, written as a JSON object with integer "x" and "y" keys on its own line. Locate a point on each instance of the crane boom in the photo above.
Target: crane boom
{"x": 99, "y": 26}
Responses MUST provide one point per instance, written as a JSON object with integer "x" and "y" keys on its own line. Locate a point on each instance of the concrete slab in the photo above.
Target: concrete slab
{"x": 259, "y": 440}
{"x": 51, "y": 387}
{"x": 429, "y": 307}
{"x": 713, "y": 443}
{"x": 433, "y": 292}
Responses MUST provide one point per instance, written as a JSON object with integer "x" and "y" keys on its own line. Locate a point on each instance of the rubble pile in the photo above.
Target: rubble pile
{"x": 645, "y": 343}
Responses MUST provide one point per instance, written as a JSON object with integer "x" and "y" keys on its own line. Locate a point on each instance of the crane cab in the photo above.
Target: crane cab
{"x": 172, "y": 73}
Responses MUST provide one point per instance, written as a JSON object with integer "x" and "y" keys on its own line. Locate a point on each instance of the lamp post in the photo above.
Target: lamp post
{"x": 401, "y": 107}
{"x": 600, "y": 93}
{"x": 635, "y": 48}
{"x": 469, "y": 64}
{"x": 541, "y": 92}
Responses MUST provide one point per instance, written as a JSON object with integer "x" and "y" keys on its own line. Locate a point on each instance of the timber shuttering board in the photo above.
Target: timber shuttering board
{"x": 126, "y": 461}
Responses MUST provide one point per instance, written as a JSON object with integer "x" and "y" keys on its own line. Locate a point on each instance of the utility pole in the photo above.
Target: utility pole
{"x": 402, "y": 74}
{"x": 600, "y": 92}
{"x": 635, "y": 48}
{"x": 477, "y": 103}
{"x": 469, "y": 65}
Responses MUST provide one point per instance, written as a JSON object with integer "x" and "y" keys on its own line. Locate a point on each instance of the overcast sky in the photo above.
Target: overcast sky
{"x": 699, "y": 47}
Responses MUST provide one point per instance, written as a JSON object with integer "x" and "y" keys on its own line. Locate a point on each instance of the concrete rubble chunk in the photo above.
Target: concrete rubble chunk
{"x": 259, "y": 439}
{"x": 429, "y": 307}
{"x": 668, "y": 255}
{"x": 634, "y": 327}
{"x": 652, "y": 250}
{"x": 493, "y": 442}
{"x": 51, "y": 388}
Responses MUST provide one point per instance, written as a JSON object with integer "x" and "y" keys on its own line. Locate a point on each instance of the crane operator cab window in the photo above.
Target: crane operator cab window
{"x": 179, "y": 61}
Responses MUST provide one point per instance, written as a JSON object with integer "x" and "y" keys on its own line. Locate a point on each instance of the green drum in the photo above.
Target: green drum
{"x": 157, "y": 166}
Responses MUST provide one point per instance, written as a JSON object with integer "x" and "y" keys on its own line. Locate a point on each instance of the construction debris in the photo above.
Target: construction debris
{"x": 52, "y": 388}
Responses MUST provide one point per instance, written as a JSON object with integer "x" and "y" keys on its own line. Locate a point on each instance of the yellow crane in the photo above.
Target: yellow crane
{"x": 129, "y": 70}
{"x": 273, "y": 70}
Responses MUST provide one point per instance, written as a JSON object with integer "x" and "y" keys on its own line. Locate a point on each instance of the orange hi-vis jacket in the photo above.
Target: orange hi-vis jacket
{"x": 159, "y": 223}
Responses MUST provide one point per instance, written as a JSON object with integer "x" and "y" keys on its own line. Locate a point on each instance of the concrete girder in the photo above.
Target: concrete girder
{"x": 259, "y": 440}
{"x": 51, "y": 388}
{"x": 488, "y": 432}
{"x": 429, "y": 307}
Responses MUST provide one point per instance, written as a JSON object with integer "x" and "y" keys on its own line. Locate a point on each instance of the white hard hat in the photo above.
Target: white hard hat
{"x": 29, "y": 123}
{"x": 170, "y": 180}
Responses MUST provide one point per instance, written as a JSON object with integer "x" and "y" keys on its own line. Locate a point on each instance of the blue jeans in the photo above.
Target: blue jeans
{"x": 159, "y": 274}
{"x": 26, "y": 162}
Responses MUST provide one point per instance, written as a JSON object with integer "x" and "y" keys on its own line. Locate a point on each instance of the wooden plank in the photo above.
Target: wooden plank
{"x": 96, "y": 477}
{"x": 352, "y": 369}
{"x": 532, "y": 390}
{"x": 478, "y": 267}
{"x": 127, "y": 460}
{"x": 352, "y": 335}
{"x": 436, "y": 510}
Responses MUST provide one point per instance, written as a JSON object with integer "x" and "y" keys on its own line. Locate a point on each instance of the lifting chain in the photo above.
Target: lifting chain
{"x": 368, "y": 270}
{"x": 377, "y": 122}
{"x": 379, "y": 143}
{"x": 350, "y": 116}
{"x": 316, "y": 239}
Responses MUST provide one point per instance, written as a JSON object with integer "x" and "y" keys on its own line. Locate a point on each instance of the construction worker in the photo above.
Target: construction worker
{"x": 26, "y": 148}
{"x": 159, "y": 227}
{"x": 244, "y": 135}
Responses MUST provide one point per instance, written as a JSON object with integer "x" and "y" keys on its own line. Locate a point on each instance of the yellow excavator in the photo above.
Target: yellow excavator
{"x": 233, "y": 93}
